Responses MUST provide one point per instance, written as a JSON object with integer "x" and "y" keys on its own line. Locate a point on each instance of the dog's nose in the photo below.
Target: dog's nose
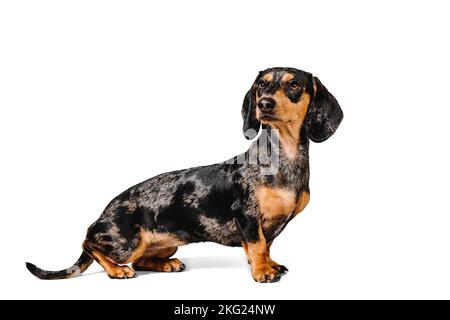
{"x": 266, "y": 104}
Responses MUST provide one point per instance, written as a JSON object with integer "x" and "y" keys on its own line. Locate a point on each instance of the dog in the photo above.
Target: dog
{"x": 245, "y": 201}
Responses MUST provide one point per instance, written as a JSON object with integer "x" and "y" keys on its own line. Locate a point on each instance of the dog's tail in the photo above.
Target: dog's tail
{"x": 78, "y": 268}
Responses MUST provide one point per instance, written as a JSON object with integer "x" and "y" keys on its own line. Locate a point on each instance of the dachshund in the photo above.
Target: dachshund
{"x": 245, "y": 201}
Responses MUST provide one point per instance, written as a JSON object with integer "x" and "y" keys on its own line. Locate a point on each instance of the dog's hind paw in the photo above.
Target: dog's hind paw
{"x": 159, "y": 265}
{"x": 122, "y": 272}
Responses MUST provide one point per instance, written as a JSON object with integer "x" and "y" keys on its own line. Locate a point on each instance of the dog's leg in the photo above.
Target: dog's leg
{"x": 106, "y": 248}
{"x": 280, "y": 268}
{"x": 113, "y": 270}
{"x": 244, "y": 246}
{"x": 257, "y": 254}
{"x": 158, "y": 260}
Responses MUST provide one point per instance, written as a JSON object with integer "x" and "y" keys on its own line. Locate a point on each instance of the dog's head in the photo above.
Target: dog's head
{"x": 286, "y": 95}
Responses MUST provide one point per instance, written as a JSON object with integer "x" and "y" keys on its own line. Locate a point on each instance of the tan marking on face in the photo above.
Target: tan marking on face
{"x": 287, "y": 77}
{"x": 268, "y": 77}
{"x": 287, "y": 111}
{"x": 290, "y": 117}
{"x": 302, "y": 202}
{"x": 274, "y": 202}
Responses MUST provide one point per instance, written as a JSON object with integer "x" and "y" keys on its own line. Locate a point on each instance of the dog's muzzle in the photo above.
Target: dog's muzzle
{"x": 266, "y": 105}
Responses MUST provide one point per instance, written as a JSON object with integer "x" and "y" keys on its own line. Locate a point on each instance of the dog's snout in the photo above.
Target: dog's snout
{"x": 266, "y": 104}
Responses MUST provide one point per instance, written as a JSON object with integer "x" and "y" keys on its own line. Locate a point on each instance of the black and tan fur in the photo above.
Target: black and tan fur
{"x": 234, "y": 203}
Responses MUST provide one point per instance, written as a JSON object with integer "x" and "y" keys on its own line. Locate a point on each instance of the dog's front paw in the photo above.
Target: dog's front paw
{"x": 280, "y": 268}
{"x": 266, "y": 274}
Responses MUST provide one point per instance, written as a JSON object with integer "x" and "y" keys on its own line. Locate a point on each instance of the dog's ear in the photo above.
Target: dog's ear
{"x": 324, "y": 113}
{"x": 251, "y": 124}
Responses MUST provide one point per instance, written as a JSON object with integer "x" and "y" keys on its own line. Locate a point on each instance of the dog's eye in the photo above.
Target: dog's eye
{"x": 262, "y": 84}
{"x": 295, "y": 85}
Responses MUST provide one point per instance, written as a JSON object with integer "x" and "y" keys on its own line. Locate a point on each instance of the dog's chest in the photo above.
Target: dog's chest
{"x": 275, "y": 202}
{"x": 277, "y": 206}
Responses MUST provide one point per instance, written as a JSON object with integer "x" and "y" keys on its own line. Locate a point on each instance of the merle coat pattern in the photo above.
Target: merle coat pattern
{"x": 234, "y": 203}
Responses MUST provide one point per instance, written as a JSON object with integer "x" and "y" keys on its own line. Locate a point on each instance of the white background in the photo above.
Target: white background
{"x": 96, "y": 96}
